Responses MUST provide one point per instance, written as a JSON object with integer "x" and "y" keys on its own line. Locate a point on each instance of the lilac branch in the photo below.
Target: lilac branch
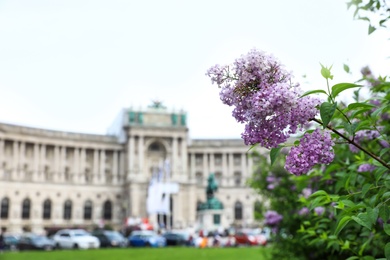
{"x": 375, "y": 157}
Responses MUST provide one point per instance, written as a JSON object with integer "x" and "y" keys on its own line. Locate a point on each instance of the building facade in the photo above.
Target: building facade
{"x": 61, "y": 179}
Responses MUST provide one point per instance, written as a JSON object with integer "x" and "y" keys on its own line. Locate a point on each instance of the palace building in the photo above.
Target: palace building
{"x": 61, "y": 179}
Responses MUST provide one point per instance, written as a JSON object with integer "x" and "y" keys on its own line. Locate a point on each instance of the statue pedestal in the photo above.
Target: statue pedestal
{"x": 209, "y": 219}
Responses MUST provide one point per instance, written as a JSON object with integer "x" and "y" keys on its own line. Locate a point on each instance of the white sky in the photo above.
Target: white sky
{"x": 72, "y": 65}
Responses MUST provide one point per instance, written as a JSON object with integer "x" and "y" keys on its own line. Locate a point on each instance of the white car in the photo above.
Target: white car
{"x": 75, "y": 238}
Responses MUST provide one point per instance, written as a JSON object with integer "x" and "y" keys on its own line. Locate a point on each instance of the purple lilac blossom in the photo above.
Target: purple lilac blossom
{"x": 272, "y": 218}
{"x": 366, "y": 167}
{"x": 314, "y": 148}
{"x": 319, "y": 210}
{"x": 303, "y": 211}
{"x": 363, "y": 135}
{"x": 264, "y": 98}
{"x": 306, "y": 192}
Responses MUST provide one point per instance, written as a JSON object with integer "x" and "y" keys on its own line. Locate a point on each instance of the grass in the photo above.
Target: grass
{"x": 170, "y": 253}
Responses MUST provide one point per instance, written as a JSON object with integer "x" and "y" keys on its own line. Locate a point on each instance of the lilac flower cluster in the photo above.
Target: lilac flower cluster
{"x": 314, "y": 148}
{"x": 363, "y": 135}
{"x": 319, "y": 210}
{"x": 272, "y": 182}
{"x": 303, "y": 211}
{"x": 366, "y": 167}
{"x": 264, "y": 98}
{"x": 272, "y": 218}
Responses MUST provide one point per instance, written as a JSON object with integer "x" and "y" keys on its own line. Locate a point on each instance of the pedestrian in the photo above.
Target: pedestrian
{"x": 2, "y": 242}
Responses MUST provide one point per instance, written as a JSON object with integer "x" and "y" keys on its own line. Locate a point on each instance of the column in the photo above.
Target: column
{"x": 141, "y": 153}
{"x": 174, "y": 157}
{"x": 192, "y": 167}
{"x": 62, "y": 164}
{"x": 56, "y": 168}
{"x": 244, "y": 172}
{"x": 82, "y": 165}
{"x": 102, "y": 162}
{"x": 212, "y": 163}
{"x": 1, "y": 152}
{"x": 184, "y": 155}
{"x": 42, "y": 160}
{"x": 15, "y": 160}
{"x": 2, "y": 170}
{"x": 95, "y": 170}
{"x": 76, "y": 166}
{"x": 36, "y": 176}
{"x": 114, "y": 168}
{"x": 130, "y": 155}
{"x": 205, "y": 168}
{"x": 230, "y": 177}
{"x": 121, "y": 172}
{"x": 225, "y": 171}
{"x": 23, "y": 171}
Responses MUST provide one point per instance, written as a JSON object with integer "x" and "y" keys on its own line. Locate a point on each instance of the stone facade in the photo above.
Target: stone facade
{"x": 60, "y": 179}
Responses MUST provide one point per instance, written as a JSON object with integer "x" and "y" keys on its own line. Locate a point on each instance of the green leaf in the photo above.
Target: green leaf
{"x": 365, "y": 189}
{"x": 372, "y": 214}
{"x": 325, "y": 72}
{"x": 384, "y": 212}
{"x": 319, "y": 193}
{"x": 338, "y": 88}
{"x": 371, "y": 29}
{"x": 363, "y": 220}
{"x": 346, "y": 68}
{"x": 384, "y": 151}
{"x": 386, "y": 227}
{"x": 342, "y": 223}
{"x": 274, "y": 153}
{"x": 387, "y": 250}
{"x": 326, "y": 112}
{"x": 313, "y": 92}
{"x": 359, "y": 105}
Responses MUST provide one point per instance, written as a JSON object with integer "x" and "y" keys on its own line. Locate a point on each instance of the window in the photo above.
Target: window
{"x": 218, "y": 178}
{"x": 218, "y": 159}
{"x": 4, "y": 208}
{"x": 198, "y": 159}
{"x": 26, "y": 206}
{"x": 88, "y": 210}
{"x": 107, "y": 210}
{"x": 199, "y": 178}
{"x": 46, "y": 209}
{"x": 68, "y": 209}
{"x": 216, "y": 219}
{"x": 237, "y": 178}
{"x": 237, "y": 159}
{"x": 238, "y": 211}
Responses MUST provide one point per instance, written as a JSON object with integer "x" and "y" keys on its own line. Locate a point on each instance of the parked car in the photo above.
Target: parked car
{"x": 35, "y": 242}
{"x": 109, "y": 238}
{"x": 11, "y": 242}
{"x": 75, "y": 238}
{"x": 143, "y": 238}
{"x": 250, "y": 238}
{"x": 175, "y": 239}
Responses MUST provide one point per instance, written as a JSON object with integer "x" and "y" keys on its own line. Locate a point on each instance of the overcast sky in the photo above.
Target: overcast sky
{"x": 72, "y": 65}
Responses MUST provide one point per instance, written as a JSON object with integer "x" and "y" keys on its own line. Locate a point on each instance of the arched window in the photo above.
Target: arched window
{"x": 4, "y": 209}
{"x": 46, "y": 209}
{"x": 88, "y": 210}
{"x": 107, "y": 210}
{"x": 68, "y": 209}
{"x": 26, "y": 207}
{"x": 238, "y": 211}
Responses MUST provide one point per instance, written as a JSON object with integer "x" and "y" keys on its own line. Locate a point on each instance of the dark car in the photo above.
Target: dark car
{"x": 35, "y": 242}
{"x": 110, "y": 238}
{"x": 175, "y": 239}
